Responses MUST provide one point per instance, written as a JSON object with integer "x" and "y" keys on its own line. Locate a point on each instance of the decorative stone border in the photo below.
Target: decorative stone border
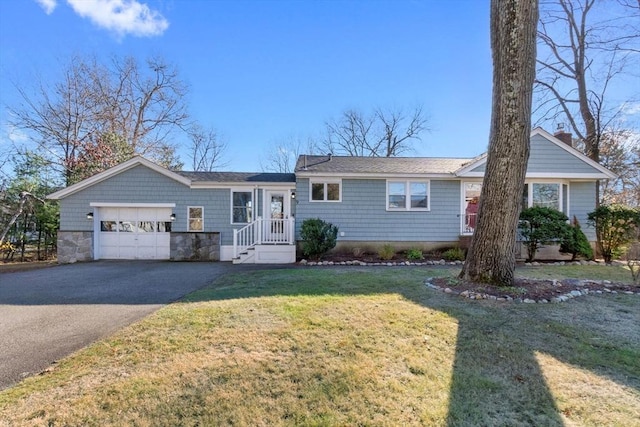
{"x": 580, "y": 290}
{"x": 557, "y": 299}
{"x": 371, "y": 264}
{"x": 443, "y": 262}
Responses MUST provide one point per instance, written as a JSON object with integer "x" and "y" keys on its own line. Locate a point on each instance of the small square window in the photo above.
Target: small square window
{"x": 196, "y": 218}
{"x": 325, "y": 191}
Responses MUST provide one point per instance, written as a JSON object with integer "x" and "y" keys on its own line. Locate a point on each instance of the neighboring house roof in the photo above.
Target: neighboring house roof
{"x": 348, "y": 165}
{"x": 238, "y": 177}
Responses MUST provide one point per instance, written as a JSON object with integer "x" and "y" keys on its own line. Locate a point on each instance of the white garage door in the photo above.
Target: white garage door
{"x": 134, "y": 233}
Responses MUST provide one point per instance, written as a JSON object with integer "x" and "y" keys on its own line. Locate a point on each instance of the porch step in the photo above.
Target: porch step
{"x": 246, "y": 256}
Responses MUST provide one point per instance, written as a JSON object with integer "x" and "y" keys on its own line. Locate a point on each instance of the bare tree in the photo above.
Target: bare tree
{"x": 585, "y": 47}
{"x": 398, "y": 130}
{"x": 143, "y": 106}
{"x": 281, "y": 157}
{"x": 58, "y": 117}
{"x": 350, "y": 134}
{"x": 384, "y": 133}
{"x": 491, "y": 256}
{"x": 620, "y": 153}
{"x": 207, "y": 149}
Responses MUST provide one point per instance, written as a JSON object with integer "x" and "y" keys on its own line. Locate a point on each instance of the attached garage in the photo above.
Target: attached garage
{"x": 132, "y": 232}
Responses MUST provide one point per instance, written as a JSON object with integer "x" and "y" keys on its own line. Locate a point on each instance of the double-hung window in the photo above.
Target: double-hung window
{"x": 408, "y": 195}
{"x": 241, "y": 207}
{"x": 546, "y": 195}
{"x": 195, "y": 218}
{"x": 325, "y": 191}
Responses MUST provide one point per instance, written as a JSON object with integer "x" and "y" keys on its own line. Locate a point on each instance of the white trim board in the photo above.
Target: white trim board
{"x": 131, "y": 205}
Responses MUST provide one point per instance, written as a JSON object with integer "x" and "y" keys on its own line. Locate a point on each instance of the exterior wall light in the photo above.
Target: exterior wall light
{"x": 172, "y": 217}
{"x": 90, "y": 215}
{"x": 293, "y": 195}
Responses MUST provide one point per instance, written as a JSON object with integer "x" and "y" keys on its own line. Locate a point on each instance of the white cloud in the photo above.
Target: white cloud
{"x": 15, "y": 135}
{"x": 631, "y": 108}
{"x": 121, "y": 16}
{"x": 47, "y": 5}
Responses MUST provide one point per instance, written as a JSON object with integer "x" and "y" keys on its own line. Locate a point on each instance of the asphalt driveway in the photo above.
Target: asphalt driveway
{"x": 49, "y": 313}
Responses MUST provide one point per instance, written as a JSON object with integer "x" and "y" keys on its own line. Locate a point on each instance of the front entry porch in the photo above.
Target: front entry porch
{"x": 265, "y": 241}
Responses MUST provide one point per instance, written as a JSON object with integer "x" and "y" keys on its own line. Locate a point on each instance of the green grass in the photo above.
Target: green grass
{"x": 597, "y": 272}
{"x": 350, "y": 346}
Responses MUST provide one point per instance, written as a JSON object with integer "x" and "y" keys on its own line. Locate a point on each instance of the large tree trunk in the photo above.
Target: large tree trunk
{"x": 491, "y": 257}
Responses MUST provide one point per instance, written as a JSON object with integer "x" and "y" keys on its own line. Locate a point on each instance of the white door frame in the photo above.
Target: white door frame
{"x": 274, "y": 230}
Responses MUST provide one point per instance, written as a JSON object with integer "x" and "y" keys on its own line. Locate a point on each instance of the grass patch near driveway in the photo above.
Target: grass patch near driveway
{"x": 349, "y": 346}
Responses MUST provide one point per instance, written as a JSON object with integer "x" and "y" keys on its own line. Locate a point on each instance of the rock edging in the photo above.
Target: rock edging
{"x": 442, "y": 262}
{"x": 580, "y": 290}
{"x": 388, "y": 264}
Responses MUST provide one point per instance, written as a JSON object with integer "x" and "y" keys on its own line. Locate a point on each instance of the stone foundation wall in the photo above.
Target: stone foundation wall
{"x": 75, "y": 246}
{"x": 195, "y": 246}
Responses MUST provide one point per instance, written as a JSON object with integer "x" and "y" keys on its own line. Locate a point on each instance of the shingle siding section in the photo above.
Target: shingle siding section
{"x": 546, "y": 157}
{"x": 362, "y": 213}
{"x": 142, "y": 185}
{"x": 480, "y": 168}
{"x": 582, "y": 201}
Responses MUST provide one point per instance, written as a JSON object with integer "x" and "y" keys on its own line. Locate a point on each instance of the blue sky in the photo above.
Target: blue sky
{"x": 265, "y": 71}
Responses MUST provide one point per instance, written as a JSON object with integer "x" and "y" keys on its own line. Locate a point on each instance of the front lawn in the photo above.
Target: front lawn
{"x": 351, "y": 346}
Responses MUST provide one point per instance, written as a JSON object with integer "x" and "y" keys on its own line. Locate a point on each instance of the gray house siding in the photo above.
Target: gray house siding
{"x": 143, "y": 185}
{"x": 480, "y": 168}
{"x": 582, "y": 200}
{"x": 547, "y": 157}
{"x": 136, "y": 185}
{"x": 362, "y": 214}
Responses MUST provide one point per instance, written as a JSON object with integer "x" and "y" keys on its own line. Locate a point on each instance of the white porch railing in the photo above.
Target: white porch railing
{"x": 263, "y": 232}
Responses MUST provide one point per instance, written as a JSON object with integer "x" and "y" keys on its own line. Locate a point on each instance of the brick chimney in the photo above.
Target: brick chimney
{"x": 563, "y": 136}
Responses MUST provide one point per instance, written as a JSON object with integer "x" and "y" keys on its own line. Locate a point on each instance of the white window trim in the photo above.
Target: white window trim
{"x": 189, "y": 219}
{"x": 325, "y": 182}
{"x": 407, "y": 187}
{"x": 254, "y": 197}
{"x": 530, "y": 183}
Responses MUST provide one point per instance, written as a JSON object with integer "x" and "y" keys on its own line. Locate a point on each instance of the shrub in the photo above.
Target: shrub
{"x": 575, "y": 242}
{"x": 386, "y": 252}
{"x": 454, "y": 254}
{"x": 357, "y": 252}
{"x": 318, "y": 237}
{"x": 414, "y": 254}
{"x": 615, "y": 225}
{"x": 633, "y": 261}
{"x": 540, "y": 226}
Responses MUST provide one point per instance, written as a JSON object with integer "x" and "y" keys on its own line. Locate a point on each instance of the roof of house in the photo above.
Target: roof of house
{"x": 379, "y": 165}
{"x": 343, "y": 166}
{"x": 238, "y": 176}
{"x": 314, "y": 165}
